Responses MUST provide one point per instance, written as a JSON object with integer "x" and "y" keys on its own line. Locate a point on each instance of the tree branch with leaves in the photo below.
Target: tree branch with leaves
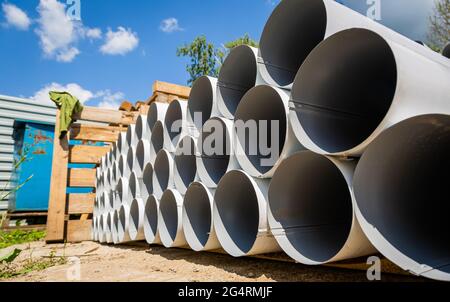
{"x": 439, "y": 34}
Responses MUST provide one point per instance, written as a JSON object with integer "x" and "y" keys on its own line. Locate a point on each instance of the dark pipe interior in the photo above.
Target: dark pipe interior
{"x": 201, "y": 100}
{"x": 344, "y": 89}
{"x": 140, "y": 127}
{"x": 130, "y": 159}
{"x": 134, "y": 217}
{"x": 186, "y": 163}
{"x": 133, "y": 184}
{"x": 174, "y": 114}
{"x": 237, "y": 76}
{"x": 140, "y": 158}
{"x": 310, "y": 198}
{"x": 151, "y": 214}
{"x": 152, "y": 116}
{"x": 261, "y": 103}
{"x": 147, "y": 181}
{"x": 237, "y": 205}
{"x": 158, "y": 136}
{"x": 169, "y": 211}
{"x": 198, "y": 209}
{"x": 291, "y": 33}
{"x": 446, "y": 51}
{"x": 215, "y": 164}
{"x": 162, "y": 170}
{"x": 406, "y": 194}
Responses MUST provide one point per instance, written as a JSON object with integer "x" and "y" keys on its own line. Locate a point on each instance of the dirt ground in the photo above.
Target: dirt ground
{"x": 89, "y": 261}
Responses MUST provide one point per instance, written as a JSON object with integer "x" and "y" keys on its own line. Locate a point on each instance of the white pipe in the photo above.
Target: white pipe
{"x": 402, "y": 193}
{"x": 108, "y": 228}
{"x": 174, "y": 124}
{"x": 185, "y": 166}
{"x": 311, "y": 213}
{"x": 151, "y": 220}
{"x": 163, "y": 173}
{"x": 124, "y": 224}
{"x": 356, "y": 84}
{"x": 214, "y": 162}
{"x": 122, "y": 146}
{"x": 136, "y": 220}
{"x": 202, "y": 103}
{"x": 101, "y": 232}
{"x": 170, "y": 225}
{"x": 142, "y": 157}
{"x": 123, "y": 191}
{"x": 110, "y": 201}
{"x": 240, "y": 215}
{"x": 98, "y": 182}
{"x": 197, "y": 219}
{"x": 115, "y": 174}
{"x": 143, "y": 130}
{"x": 94, "y": 233}
{"x": 146, "y": 182}
{"x": 238, "y": 74}
{"x": 115, "y": 226}
{"x": 296, "y": 27}
{"x": 131, "y": 138}
{"x": 156, "y": 112}
{"x": 157, "y": 140}
{"x": 122, "y": 166}
{"x": 135, "y": 188}
{"x": 268, "y": 108}
{"x": 112, "y": 155}
{"x": 129, "y": 164}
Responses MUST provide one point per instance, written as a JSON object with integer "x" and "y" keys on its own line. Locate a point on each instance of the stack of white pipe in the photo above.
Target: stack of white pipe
{"x": 339, "y": 87}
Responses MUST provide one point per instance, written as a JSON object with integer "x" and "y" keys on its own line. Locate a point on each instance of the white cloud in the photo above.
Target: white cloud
{"x": 170, "y": 25}
{"x": 105, "y": 98}
{"x": 93, "y": 33}
{"x": 119, "y": 42}
{"x": 57, "y": 33}
{"x": 110, "y": 100}
{"x": 16, "y": 17}
{"x": 76, "y": 90}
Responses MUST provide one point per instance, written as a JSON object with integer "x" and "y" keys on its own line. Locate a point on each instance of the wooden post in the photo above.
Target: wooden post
{"x": 58, "y": 184}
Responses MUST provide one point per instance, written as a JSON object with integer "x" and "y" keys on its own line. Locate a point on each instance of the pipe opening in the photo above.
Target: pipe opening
{"x": 162, "y": 170}
{"x": 121, "y": 165}
{"x": 174, "y": 116}
{"x": 122, "y": 226}
{"x": 146, "y": 183}
{"x": 237, "y": 76}
{"x": 130, "y": 136}
{"x": 217, "y": 160}
{"x": 169, "y": 213}
{"x": 115, "y": 227}
{"x": 153, "y": 115}
{"x": 264, "y": 106}
{"x": 405, "y": 195}
{"x": 134, "y": 186}
{"x": 201, "y": 101}
{"x": 133, "y": 227}
{"x": 237, "y": 207}
{"x": 344, "y": 89}
{"x": 311, "y": 200}
{"x": 198, "y": 211}
{"x": 186, "y": 165}
{"x": 158, "y": 137}
{"x": 141, "y": 127}
{"x": 142, "y": 157}
{"x": 291, "y": 33}
{"x": 151, "y": 219}
{"x": 130, "y": 160}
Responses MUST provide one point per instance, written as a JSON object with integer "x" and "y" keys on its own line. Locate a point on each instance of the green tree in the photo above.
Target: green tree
{"x": 205, "y": 58}
{"x": 439, "y": 34}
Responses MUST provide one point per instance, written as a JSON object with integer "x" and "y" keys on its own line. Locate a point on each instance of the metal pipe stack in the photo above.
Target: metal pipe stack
{"x": 329, "y": 142}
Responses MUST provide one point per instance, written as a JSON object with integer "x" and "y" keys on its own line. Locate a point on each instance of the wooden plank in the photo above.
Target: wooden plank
{"x": 126, "y": 106}
{"x": 109, "y": 116}
{"x": 81, "y": 178}
{"x": 168, "y": 88}
{"x": 80, "y": 203}
{"x": 78, "y": 230}
{"x": 26, "y": 228}
{"x": 57, "y": 198}
{"x": 87, "y": 154}
{"x": 95, "y": 133}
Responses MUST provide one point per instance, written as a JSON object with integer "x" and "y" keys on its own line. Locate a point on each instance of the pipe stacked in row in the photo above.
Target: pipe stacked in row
{"x": 362, "y": 126}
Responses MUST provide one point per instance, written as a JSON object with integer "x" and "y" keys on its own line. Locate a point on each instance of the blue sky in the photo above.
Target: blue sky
{"x": 119, "y": 48}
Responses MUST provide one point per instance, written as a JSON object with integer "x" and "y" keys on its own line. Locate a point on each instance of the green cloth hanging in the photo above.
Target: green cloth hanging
{"x": 68, "y": 105}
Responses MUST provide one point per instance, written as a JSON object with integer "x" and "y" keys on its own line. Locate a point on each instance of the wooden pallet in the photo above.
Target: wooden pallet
{"x": 70, "y": 215}
{"x": 29, "y": 216}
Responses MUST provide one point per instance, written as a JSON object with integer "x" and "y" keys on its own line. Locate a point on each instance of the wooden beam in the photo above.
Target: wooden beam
{"x": 109, "y": 116}
{"x": 81, "y": 178}
{"x": 95, "y": 133}
{"x": 78, "y": 230}
{"x": 57, "y": 198}
{"x": 126, "y": 106}
{"x": 80, "y": 203}
{"x": 168, "y": 88}
{"x": 87, "y": 154}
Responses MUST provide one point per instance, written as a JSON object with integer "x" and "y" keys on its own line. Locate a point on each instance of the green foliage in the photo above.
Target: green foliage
{"x": 205, "y": 58}
{"x": 19, "y": 237}
{"x": 439, "y": 34}
{"x": 11, "y": 256}
{"x": 245, "y": 40}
